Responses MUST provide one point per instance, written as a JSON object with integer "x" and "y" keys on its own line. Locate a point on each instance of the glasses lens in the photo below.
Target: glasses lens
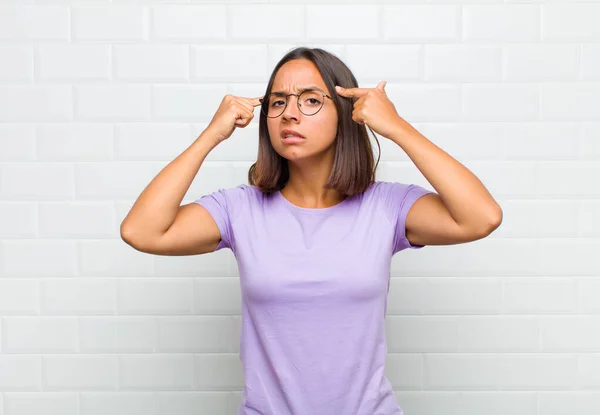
{"x": 275, "y": 105}
{"x": 310, "y": 103}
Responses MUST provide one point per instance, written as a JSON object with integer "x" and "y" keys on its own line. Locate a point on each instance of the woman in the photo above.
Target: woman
{"x": 313, "y": 233}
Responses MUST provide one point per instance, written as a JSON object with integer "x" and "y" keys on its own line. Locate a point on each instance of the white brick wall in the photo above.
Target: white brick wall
{"x": 97, "y": 96}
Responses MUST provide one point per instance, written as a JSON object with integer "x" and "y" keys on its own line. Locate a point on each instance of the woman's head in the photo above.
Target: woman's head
{"x": 330, "y": 133}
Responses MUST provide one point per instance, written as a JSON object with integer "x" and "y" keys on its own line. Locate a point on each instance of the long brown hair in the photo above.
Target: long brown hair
{"x": 354, "y": 167}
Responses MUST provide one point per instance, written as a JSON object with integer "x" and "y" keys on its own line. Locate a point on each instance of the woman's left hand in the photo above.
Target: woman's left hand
{"x": 373, "y": 108}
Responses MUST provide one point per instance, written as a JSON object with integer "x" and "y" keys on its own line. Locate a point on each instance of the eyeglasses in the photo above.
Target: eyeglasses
{"x": 309, "y": 103}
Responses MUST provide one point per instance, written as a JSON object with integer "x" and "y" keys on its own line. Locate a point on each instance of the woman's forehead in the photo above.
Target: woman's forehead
{"x": 298, "y": 89}
{"x": 295, "y": 76}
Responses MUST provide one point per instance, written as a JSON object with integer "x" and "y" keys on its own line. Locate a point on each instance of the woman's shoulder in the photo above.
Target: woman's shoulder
{"x": 233, "y": 195}
{"x": 381, "y": 187}
{"x": 394, "y": 192}
{"x": 245, "y": 193}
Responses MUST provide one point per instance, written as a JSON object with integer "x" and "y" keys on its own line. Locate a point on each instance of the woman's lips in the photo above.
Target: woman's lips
{"x": 292, "y": 140}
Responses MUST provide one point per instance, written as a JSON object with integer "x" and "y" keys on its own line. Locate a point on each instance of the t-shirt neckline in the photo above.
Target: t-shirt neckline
{"x": 310, "y": 211}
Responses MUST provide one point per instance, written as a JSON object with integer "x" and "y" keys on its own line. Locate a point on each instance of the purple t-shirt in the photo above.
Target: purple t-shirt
{"x": 314, "y": 286}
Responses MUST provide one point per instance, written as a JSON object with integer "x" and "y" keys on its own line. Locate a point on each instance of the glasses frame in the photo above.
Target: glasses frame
{"x": 262, "y": 101}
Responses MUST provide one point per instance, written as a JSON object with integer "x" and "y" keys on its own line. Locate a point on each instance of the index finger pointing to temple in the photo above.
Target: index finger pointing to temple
{"x": 351, "y": 92}
{"x": 251, "y": 101}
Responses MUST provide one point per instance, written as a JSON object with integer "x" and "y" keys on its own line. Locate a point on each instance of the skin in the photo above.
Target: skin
{"x": 310, "y": 161}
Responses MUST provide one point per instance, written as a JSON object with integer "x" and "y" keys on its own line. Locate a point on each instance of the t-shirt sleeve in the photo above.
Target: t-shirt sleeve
{"x": 224, "y": 206}
{"x": 398, "y": 198}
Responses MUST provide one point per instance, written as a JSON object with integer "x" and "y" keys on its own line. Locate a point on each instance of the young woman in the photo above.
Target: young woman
{"x": 313, "y": 233}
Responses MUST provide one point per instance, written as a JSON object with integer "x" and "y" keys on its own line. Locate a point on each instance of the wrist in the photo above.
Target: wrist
{"x": 208, "y": 136}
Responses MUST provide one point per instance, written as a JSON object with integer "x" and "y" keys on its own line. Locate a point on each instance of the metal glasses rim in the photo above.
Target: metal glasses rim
{"x": 262, "y": 101}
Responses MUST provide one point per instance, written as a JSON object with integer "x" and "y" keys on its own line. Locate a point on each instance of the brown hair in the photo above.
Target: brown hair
{"x": 354, "y": 167}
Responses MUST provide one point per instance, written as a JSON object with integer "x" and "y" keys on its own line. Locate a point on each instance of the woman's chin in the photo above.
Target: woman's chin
{"x": 293, "y": 154}
{"x": 302, "y": 152}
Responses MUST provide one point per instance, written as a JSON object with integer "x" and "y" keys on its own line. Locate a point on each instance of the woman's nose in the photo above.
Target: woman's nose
{"x": 291, "y": 110}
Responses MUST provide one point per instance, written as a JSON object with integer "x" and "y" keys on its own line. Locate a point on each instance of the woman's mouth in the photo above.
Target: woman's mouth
{"x": 292, "y": 139}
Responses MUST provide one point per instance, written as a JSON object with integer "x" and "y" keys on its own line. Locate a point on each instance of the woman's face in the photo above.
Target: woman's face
{"x": 319, "y": 130}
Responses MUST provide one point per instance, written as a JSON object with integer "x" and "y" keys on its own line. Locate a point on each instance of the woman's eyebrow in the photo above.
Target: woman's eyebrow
{"x": 306, "y": 88}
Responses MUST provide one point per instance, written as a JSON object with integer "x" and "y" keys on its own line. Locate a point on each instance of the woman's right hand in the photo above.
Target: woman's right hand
{"x": 233, "y": 112}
